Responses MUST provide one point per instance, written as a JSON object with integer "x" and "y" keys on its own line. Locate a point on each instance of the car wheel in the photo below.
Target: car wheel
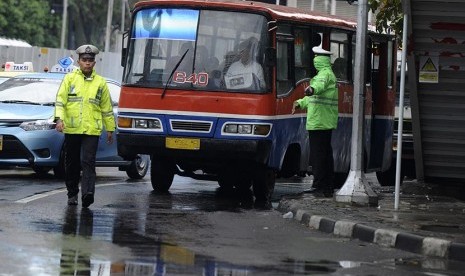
{"x": 263, "y": 184}
{"x": 41, "y": 170}
{"x": 139, "y": 167}
{"x": 162, "y": 174}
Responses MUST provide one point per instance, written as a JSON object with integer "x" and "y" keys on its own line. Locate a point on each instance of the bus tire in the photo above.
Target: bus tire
{"x": 162, "y": 174}
{"x": 388, "y": 178}
{"x": 234, "y": 179}
{"x": 139, "y": 167}
{"x": 263, "y": 184}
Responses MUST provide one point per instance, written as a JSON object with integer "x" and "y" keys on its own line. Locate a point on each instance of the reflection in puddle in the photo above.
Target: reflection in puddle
{"x": 128, "y": 238}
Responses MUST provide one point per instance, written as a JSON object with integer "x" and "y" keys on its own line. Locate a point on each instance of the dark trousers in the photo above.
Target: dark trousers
{"x": 80, "y": 151}
{"x": 321, "y": 159}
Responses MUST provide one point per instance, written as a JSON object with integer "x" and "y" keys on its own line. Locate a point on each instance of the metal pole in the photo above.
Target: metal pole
{"x": 123, "y": 13}
{"x": 400, "y": 126}
{"x": 108, "y": 29}
{"x": 333, "y": 7}
{"x": 356, "y": 189}
{"x": 63, "y": 23}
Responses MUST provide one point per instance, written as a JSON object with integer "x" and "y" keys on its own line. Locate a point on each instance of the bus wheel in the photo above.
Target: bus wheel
{"x": 263, "y": 184}
{"x": 388, "y": 178}
{"x": 230, "y": 179}
{"x": 162, "y": 174}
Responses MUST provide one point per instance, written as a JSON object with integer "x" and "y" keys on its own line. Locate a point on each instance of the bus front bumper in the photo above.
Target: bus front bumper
{"x": 216, "y": 150}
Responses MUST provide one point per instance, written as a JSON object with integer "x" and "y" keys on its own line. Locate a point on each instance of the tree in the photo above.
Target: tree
{"x": 39, "y": 21}
{"x": 389, "y": 16}
{"x": 29, "y": 20}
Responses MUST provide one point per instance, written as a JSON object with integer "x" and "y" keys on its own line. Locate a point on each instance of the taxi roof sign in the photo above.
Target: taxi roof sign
{"x": 10, "y": 66}
{"x": 64, "y": 65}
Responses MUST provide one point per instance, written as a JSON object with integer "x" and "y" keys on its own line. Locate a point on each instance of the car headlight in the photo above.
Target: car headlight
{"x": 38, "y": 125}
{"x": 247, "y": 129}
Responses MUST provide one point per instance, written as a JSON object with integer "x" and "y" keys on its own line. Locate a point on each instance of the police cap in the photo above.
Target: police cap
{"x": 87, "y": 50}
{"x": 320, "y": 51}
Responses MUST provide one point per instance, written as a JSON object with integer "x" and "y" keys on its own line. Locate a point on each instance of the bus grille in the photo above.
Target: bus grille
{"x": 195, "y": 126}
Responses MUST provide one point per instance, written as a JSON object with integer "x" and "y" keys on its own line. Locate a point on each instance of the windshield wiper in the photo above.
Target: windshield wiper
{"x": 168, "y": 81}
{"x": 20, "y": 102}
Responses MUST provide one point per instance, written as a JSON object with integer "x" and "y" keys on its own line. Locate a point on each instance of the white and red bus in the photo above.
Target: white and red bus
{"x": 182, "y": 103}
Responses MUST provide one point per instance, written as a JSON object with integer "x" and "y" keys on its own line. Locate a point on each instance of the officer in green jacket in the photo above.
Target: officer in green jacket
{"x": 83, "y": 107}
{"x": 321, "y": 102}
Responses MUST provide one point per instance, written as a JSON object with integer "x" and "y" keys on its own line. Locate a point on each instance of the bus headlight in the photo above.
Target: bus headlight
{"x": 124, "y": 122}
{"x": 247, "y": 129}
{"x": 139, "y": 123}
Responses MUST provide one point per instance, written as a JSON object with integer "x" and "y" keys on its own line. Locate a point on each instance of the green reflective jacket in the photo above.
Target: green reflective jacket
{"x": 84, "y": 104}
{"x": 322, "y": 106}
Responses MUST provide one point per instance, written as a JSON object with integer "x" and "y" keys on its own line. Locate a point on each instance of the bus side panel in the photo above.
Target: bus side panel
{"x": 342, "y": 136}
{"x": 289, "y": 131}
{"x": 178, "y": 101}
{"x": 292, "y": 129}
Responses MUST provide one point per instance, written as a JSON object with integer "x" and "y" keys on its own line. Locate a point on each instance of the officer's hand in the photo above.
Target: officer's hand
{"x": 59, "y": 126}
{"x": 294, "y": 105}
{"x": 308, "y": 91}
{"x": 109, "y": 137}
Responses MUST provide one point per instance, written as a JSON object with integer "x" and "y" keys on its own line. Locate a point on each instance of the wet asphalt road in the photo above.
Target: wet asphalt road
{"x": 196, "y": 229}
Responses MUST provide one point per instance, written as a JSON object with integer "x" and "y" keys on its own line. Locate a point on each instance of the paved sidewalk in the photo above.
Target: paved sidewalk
{"x": 425, "y": 223}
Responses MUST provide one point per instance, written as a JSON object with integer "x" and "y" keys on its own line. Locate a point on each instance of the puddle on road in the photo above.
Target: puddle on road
{"x": 110, "y": 241}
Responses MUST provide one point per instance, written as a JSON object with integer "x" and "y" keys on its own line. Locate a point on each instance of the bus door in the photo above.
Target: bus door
{"x": 381, "y": 78}
{"x": 294, "y": 68}
{"x": 292, "y": 143}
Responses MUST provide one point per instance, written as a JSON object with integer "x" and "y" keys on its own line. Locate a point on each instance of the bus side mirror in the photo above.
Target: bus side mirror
{"x": 270, "y": 57}
{"x": 124, "y": 48}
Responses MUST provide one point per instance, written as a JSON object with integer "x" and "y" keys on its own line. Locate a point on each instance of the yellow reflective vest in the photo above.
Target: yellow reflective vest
{"x": 84, "y": 104}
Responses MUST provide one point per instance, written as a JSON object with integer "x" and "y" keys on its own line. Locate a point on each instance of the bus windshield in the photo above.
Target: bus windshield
{"x": 198, "y": 49}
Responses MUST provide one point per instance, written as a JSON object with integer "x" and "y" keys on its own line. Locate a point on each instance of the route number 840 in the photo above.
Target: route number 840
{"x": 195, "y": 78}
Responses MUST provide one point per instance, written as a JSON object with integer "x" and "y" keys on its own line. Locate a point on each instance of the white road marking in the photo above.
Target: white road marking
{"x": 54, "y": 192}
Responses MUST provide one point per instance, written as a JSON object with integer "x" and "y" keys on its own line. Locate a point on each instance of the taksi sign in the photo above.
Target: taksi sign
{"x": 18, "y": 67}
{"x": 64, "y": 65}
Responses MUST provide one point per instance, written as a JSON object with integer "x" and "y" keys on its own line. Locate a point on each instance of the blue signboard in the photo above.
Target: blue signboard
{"x": 175, "y": 24}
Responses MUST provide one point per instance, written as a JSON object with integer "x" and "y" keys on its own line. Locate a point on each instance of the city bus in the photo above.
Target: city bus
{"x": 187, "y": 102}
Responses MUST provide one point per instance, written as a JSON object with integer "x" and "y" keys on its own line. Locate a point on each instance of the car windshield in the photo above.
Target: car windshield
{"x": 35, "y": 90}
{"x": 41, "y": 90}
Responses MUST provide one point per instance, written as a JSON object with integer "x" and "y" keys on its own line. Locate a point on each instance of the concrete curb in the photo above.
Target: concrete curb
{"x": 427, "y": 246}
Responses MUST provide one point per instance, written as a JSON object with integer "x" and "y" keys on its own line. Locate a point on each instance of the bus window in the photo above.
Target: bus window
{"x": 340, "y": 57}
{"x": 182, "y": 48}
{"x": 390, "y": 64}
{"x": 303, "y": 58}
{"x": 283, "y": 81}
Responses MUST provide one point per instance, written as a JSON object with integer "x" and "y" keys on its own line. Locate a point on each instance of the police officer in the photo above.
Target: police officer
{"x": 321, "y": 102}
{"x": 83, "y": 107}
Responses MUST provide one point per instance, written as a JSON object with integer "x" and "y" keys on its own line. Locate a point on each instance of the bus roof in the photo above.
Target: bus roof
{"x": 279, "y": 13}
